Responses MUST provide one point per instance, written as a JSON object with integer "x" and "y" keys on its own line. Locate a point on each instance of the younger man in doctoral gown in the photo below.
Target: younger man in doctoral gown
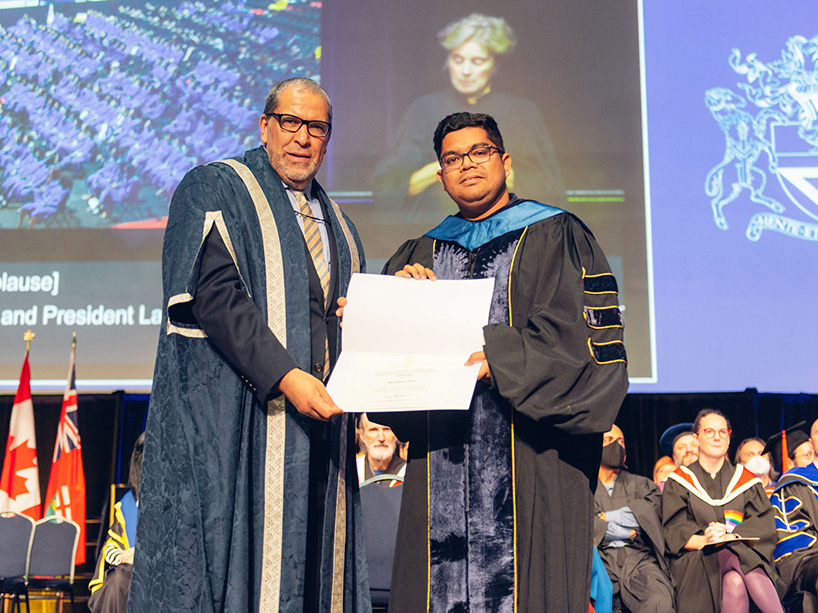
{"x": 504, "y": 491}
{"x": 249, "y": 495}
{"x": 628, "y": 532}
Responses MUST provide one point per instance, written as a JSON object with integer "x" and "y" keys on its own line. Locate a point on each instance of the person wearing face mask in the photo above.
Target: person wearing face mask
{"x": 751, "y": 454}
{"x": 628, "y": 531}
{"x": 405, "y": 181}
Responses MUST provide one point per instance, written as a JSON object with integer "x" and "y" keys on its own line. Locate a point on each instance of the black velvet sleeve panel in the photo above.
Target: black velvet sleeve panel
{"x": 545, "y": 363}
{"x": 234, "y": 324}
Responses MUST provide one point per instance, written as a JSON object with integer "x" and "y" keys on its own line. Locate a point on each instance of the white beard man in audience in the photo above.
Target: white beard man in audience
{"x": 380, "y": 452}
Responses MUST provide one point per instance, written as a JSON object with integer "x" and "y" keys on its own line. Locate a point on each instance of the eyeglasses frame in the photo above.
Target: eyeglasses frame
{"x": 468, "y": 155}
{"x": 307, "y": 122}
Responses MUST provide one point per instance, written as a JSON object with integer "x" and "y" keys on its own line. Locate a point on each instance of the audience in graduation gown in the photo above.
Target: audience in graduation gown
{"x": 628, "y": 532}
{"x": 707, "y": 509}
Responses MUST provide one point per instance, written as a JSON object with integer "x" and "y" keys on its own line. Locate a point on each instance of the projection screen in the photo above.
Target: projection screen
{"x": 684, "y": 136}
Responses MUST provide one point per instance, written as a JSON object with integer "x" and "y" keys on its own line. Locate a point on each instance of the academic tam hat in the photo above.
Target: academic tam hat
{"x": 669, "y": 436}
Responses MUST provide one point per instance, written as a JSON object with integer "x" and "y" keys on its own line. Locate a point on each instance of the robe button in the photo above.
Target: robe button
{"x": 318, "y": 367}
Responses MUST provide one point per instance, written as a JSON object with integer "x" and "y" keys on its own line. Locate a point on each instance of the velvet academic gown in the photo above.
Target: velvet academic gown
{"x": 245, "y": 504}
{"x": 638, "y": 571}
{"x": 690, "y": 501}
{"x": 795, "y": 501}
{"x": 506, "y": 509}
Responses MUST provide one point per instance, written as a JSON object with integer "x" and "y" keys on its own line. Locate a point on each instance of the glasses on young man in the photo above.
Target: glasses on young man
{"x": 291, "y": 123}
{"x": 478, "y": 155}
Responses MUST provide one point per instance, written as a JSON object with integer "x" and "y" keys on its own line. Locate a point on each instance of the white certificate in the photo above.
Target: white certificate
{"x": 405, "y": 343}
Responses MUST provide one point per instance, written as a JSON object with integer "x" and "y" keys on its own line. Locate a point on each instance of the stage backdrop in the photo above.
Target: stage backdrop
{"x": 684, "y": 136}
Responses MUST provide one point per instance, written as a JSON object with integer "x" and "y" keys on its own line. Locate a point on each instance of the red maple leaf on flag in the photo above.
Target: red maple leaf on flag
{"x": 24, "y": 456}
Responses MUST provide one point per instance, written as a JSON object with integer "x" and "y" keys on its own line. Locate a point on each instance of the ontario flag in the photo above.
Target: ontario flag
{"x": 65, "y": 496}
{"x": 20, "y": 480}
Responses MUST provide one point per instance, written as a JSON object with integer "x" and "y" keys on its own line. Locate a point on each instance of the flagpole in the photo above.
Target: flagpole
{"x": 28, "y": 336}
{"x": 19, "y": 480}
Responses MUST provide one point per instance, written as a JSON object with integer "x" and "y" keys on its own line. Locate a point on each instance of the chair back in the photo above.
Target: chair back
{"x": 54, "y": 548}
{"x": 16, "y": 533}
{"x": 381, "y": 509}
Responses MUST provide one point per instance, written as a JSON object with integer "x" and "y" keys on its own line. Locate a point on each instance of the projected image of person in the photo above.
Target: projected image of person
{"x": 405, "y": 182}
{"x": 249, "y": 489}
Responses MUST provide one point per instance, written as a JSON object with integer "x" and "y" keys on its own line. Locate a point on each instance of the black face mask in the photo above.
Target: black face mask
{"x": 613, "y": 455}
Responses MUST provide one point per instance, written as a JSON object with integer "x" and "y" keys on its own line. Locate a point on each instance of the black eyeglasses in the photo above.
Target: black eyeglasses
{"x": 478, "y": 154}
{"x": 291, "y": 123}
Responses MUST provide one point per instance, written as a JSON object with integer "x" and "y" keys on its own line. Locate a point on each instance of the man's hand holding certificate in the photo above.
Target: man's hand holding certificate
{"x": 405, "y": 343}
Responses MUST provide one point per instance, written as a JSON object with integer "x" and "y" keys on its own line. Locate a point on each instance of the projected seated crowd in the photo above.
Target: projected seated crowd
{"x": 107, "y": 112}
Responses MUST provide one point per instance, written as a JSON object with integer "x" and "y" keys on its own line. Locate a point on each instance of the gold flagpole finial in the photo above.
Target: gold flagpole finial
{"x": 28, "y": 336}
{"x": 74, "y": 341}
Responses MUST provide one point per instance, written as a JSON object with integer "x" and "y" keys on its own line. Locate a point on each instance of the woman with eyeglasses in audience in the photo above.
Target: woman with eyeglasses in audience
{"x": 719, "y": 529}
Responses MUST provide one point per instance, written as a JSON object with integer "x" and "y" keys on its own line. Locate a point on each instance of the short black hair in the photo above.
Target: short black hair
{"x": 458, "y": 121}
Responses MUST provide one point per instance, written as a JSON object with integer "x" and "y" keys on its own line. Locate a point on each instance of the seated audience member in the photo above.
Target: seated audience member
{"x": 795, "y": 500}
{"x": 680, "y": 443}
{"x": 751, "y": 454}
{"x": 799, "y": 448}
{"x": 813, "y": 435}
{"x": 706, "y": 508}
{"x": 628, "y": 530}
{"x": 380, "y": 452}
{"x": 112, "y": 578}
{"x": 663, "y": 467}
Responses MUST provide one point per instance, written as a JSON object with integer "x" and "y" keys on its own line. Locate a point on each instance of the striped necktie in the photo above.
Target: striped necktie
{"x": 315, "y": 246}
{"x": 314, "y": 243}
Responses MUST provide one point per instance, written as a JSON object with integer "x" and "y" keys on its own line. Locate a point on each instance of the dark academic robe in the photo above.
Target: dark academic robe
{"x": 498, "y": 500}
{"x": 536, "y": 169}
{"x": 245, "y": 504}
{"x": 690, "y": 501}
{"x": 795, "y": 501}
{"x": 638, "y": 571}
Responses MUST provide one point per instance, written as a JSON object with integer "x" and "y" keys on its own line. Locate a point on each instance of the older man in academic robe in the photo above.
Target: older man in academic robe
{"x": 249, "y": 492}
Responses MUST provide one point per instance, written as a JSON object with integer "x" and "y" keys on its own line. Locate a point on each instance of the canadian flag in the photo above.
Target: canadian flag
{"x": 20, "y": 480}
